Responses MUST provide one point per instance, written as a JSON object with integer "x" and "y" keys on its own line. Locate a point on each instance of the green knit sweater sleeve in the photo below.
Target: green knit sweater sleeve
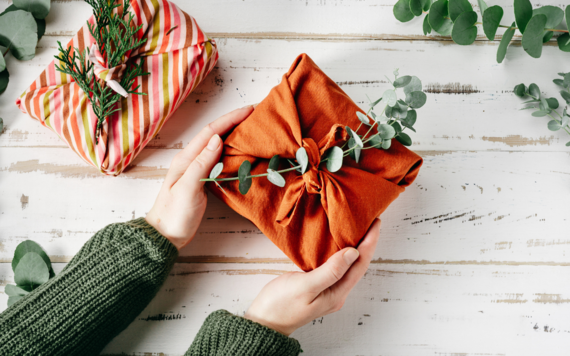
{"x": 225, "y": 334}
{"x": 96, "y": 296}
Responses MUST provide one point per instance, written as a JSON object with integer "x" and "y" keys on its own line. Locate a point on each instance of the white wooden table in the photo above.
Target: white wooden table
{"x": 473, "y": 257}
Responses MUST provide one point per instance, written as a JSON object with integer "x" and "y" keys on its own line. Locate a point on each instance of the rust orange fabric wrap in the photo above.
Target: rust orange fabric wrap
{"x": 317, "y": 213}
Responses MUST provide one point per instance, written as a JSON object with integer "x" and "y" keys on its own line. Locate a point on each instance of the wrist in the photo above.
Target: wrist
{"x": 279, "y": 328}
{"x": 158, "y": 224}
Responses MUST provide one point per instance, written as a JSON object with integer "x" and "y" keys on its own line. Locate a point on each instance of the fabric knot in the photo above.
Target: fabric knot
{"x": 111, "y": 76}
{"x": 312, "y": 175}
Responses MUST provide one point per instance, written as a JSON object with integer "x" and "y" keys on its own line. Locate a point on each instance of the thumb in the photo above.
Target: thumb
{"x": 333, "y": 270}
{"x": 202, "y": 165}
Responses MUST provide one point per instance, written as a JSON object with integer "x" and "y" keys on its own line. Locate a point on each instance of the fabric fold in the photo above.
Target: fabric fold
{"x": 319, "y": 212}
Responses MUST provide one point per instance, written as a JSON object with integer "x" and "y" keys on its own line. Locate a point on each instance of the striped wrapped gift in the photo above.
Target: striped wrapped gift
{"x": 178, "y": 56}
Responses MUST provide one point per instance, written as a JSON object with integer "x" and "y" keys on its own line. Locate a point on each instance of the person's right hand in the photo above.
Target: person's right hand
{"x": 294, "y": 299}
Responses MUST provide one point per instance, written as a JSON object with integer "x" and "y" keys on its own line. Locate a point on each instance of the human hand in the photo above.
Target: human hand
{"x": 181, "y": 202}
{"x": 294, "y": 299}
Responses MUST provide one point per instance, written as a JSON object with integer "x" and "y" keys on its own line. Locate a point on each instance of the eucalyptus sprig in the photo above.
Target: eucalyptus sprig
{"x": 22, "y": 24}
{"x": 115, "y": 36}
{"x": 457, "y": 18}
{"x": 396, "y": 116}
{"x": 32, "y": 268}
{"x": 548, "y": 106}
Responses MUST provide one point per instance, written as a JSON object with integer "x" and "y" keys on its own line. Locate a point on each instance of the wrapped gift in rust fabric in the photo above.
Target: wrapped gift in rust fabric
{"x": 177, "y": 55}
{"x": 318, "y": 213}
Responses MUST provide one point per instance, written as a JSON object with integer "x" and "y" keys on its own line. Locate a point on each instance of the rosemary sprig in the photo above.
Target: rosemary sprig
{"x": 115, "y": 37}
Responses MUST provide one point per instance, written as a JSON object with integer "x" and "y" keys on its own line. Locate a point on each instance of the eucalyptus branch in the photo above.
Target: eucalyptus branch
{"x": 388, "y": 124}
{"x": 458, "y": 19}
{"x": 548, "y": 106}
{"x": 115, "y": 37}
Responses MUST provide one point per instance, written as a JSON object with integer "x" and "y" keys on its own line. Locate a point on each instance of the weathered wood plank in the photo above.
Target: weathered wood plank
{"x": 395, "y": 310}
{"x": 335, "y": 19}
{"x": 465, "y": 207}
{"x": 470, "y": 106}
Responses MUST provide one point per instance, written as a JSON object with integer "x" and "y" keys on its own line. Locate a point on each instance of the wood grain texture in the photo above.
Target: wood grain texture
{"x": 473, "y": 257}
{"x": 396, "y": 310}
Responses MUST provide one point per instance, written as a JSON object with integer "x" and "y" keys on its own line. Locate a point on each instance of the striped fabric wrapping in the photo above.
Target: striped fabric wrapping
{"x": 178, "y": 56}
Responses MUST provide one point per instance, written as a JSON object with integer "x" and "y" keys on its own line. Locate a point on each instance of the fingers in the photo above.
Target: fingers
{"x": 359, "y": 268}
{"x": 331, "y": 271}
{"x": 220, "y": 126}
{"x": 202, "y": 165}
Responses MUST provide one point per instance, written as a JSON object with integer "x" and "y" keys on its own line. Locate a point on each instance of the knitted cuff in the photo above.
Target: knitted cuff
{"x": 226, "y": 334}
{"x": 155, "y": 239}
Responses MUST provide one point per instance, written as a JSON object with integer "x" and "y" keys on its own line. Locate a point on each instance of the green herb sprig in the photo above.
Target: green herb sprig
{"x": 396, "y": 116}
{"x": 457, "y": 18}
{"x": 548, "y": 106}
{"x": 22, "y": 24}
{"x": 32, "y": 268}
{"x": 115, "y": 37}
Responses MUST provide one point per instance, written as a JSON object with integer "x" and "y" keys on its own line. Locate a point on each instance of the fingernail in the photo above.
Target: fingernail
{"x": 350, "y": 256}
{"x": 214, "y": 143}
{"x": 247, "y": 106}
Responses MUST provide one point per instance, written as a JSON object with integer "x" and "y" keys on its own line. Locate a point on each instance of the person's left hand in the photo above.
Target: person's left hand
{"x": 181, "y": 202}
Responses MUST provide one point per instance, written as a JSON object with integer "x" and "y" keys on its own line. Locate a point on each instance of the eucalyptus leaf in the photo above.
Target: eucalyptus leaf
{"x": 243, "y": 176}
{"x": 274, "y": 163}
{"x": 457, "y": 7}
{"x": 540, "y": 113}
{"x": 416, "y": 7}
{"x": 375, "y": 103}
{"x": 523, "y": 13}
{"x": 303, "y": 159}
{"x": 416, "y": 99}
{"x": 404, "y": 139}
{"x": 564, "y": 121}
{"x": 402, "y": 81}
{"x": 334, "y": 157}
{"x": 31, "y": 270}
{"x": 275, "y": 178}
{"x": 464, "y": 31}
{"x": 215, "y": 172}
{"x": 553, "y": 103}
{"x": 504, "y": 44}
{"x": 534, "y": 90}
{"x": 13, "y": 299}
{"x": 410, "y": 118}
{"x": 564, "y": 42}
{"x": 414, "y": 85}
{"x": 565, "y": 95}
{"x": 4, "y": 79}
{"x": 547, "y": 36}
{"x": 491, "y": 21}
{"x": 396, "y": 127}
{"x": 1, "y": 125}
{"x": 388, "y": 111}
{"x": 554, "y": 15}
{"x": 363, "y": 118}
{"x": 386, "y": 131}
{"x": 12, "y": 290}
{"x": 437, "y": 18}
{"x": 390, "y": 97}
{"x": 553, "y": 125}
{"x": 38, "y": 8}
{"x": 28, "y": 246}
{"x": 386, "y": 144}
{"x": 402, "y": 11}
{"x": 40, "y": 22}
{"x": 482, "y": 6}
{"x": 568, "y": 144}
{"x": 375, "y": 141}
{"x": 566, "y": 80}
{"x": 19, "y": 33}
{"x": 2, "y": 62}
{"x": 532, "y": 37}
{"x": 355, "y": 136}
{"x": 426, "y": 26}
{"x": 520, "y": 90}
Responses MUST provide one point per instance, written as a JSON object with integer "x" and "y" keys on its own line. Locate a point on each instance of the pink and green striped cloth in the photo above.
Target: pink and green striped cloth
{"x": 178, "y": 56}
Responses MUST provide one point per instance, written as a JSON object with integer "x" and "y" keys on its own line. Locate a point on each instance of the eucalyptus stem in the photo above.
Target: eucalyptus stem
{"x": 247, "y": 177}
